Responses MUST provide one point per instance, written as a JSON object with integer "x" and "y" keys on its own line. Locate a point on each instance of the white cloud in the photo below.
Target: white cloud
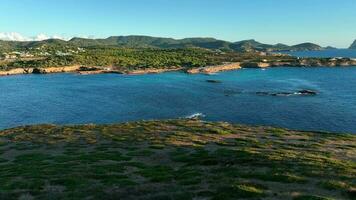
{"x": 13, "y": 36}
{"x": 40, "y": 37}
{"x": 87, "y": 36}
{"x": 59, "y": 37}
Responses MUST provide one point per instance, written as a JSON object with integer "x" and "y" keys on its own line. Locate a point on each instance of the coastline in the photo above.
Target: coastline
{"x": 30, "y": 70}
{"x": 215, "y": 68}
{"x": 85, "y": 70}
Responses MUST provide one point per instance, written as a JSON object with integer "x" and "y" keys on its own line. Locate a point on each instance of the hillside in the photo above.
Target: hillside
{"x": 175, "y": 159}
{"x": 159, "y": 42}
{"x": 306, "y": 47}
{"x": 353, "y": 45}
{"x": 208, "y": 43}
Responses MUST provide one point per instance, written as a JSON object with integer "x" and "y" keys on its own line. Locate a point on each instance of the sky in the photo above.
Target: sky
{"x": 325, "y": 22}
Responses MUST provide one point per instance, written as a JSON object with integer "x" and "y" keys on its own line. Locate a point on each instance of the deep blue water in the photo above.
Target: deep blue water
{"x": 346, "y": 53}
{"x": 108, "y": 98}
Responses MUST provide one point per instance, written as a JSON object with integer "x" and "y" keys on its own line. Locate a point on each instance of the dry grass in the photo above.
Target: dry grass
{"x": 175, "y": 159}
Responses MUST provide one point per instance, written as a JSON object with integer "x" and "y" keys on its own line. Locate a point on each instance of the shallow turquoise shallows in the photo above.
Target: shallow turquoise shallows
{"x": 109, "y": 98}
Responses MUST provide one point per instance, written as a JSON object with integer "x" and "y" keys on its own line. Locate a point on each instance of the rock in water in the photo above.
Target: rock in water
{"x": 213, "y": 81}
{"x": 281, "y": 94}
{"x": 230, "y": 92}
{"x": 299, "y": 92}
{"x": 306, "y": 92}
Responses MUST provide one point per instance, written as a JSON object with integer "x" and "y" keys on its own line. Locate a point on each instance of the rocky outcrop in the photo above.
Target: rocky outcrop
{"x": 14, "y": 71}
{"x": 72, "y": 68}
{"x": 46, "y": 70}
{"x": 306, "y": 92}
{"x": 38, "y": 71}
{"x": 215, "y": 68}
{"x": 296, "y": 93}
{"x": 302, "y": 62}
{"x": 256, "y": 64}
{"x": 213, "y": 81}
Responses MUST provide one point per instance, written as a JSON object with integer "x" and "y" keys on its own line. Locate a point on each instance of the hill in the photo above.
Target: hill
{"x": 152, "y": 42}
{"x": 159, "y": 42}
{"x": 17, "y": 45}
{"x": 175, "y": 159}
{"x": 353, "y": 45}
{"x": 306, "y": 47}
{"x": 207, "y": 43}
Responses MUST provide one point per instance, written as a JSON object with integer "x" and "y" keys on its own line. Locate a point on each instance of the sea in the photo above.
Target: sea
{"x": 267, "y": 97}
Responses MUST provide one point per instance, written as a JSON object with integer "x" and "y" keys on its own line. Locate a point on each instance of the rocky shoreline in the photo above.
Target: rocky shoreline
{"x": 215, "y": 68}
{"x": 17, "y": 71}
{"x": 84, "y": 70}
{"x": 153, "y": 71}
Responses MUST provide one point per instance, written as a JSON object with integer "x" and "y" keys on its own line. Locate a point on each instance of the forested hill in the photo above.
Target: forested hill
{"x": 159, "y": 42}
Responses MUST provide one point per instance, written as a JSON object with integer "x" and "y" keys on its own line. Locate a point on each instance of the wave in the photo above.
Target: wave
{"x": 195, "y": 116}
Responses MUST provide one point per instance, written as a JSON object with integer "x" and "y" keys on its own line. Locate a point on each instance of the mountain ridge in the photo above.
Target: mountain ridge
{"x": 141, "y": 41}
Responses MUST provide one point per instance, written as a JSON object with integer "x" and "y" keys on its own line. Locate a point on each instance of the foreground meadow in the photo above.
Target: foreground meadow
{"x": 175, "y": 159}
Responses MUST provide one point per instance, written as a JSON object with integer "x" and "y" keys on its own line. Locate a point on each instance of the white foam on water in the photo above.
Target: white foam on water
{"x": 195, "y": 116}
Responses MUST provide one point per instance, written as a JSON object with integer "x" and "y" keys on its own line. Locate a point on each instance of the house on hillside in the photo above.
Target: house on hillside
{"x": 11, "y": 55}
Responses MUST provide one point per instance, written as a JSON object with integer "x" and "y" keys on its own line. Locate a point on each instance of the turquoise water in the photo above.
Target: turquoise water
{"x": 108, "y": 98}
{"x": 346, "y": 53}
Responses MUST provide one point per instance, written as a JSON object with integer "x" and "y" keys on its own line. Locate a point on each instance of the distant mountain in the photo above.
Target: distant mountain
{"x": 306, "y": 47}
{"x": 353, "y": 45}
{"x": 248, "y": 45}
{"x": 135, "y": 41}
{"x": 207, "y": 43}
{"x": 15, "y": 45}
{"x": 153, "y": 42}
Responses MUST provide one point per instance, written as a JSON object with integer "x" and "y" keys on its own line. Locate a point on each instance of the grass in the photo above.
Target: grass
{"x": 239, "y": 190}
{"x": 175, "y": 159}
{"x": 311, "y": 197}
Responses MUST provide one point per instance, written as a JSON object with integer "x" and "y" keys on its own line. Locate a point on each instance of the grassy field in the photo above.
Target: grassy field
{"x": 175, "y": 159}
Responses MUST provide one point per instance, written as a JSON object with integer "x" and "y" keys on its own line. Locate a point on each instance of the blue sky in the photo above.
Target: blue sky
{"x": 326, "y": 22}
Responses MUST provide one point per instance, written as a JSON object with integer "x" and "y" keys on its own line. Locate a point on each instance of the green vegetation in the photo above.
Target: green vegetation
{"x": 122, "y": 59}
{"x": 175, "y": 159}
{"x": 158, "y": 42}
{"x": 125, "y": 53}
